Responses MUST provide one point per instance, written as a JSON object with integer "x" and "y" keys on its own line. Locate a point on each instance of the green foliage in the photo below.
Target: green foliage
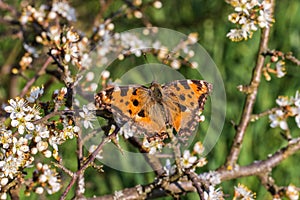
{"x": 235, "y": 62}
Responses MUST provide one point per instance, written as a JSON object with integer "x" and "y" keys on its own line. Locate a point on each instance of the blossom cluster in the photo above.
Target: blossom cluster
{"x": 288, "y": 107}
{"x": 279, "y": 69}
{"x": 46, "y": 179}
{"x": 45, "y": 17}
{"x": 22, "y": 137}
{"x": 191, "y": 160}
{"x": 249, "y": 15}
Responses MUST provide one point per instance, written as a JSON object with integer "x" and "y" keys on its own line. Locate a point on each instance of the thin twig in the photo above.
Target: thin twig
{"x": 33, "y": 79}
{"x": 5, "y": 6}
{"x": 268, "y": 182}
{"x": 293, "y": 59}
{"x": 196, "y": 183}
{"x": 89, "y": 160}
{"x": 52, "y": 114}
{"x": 80, "y": 179}
{"x": 255, "y": 117}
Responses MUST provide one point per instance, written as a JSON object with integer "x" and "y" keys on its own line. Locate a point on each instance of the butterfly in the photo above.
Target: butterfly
{"x": 152, "y": 110}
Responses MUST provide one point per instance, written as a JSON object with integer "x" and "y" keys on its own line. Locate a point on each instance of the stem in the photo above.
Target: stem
{"x": 39, "y": 73}
{"x": 79, "y": 162}
{"x": 89, "y": 160}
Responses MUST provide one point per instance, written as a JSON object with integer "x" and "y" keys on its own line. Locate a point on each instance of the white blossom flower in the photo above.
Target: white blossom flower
{"x": 42, "y": 131}
{"x": 198, "y": 148}
{"x": 264, "y": 19}
{"x": 187, "y": 159}
{"x": 126, "y": 131}
{"x": 6, "y": 137}
{"x": 292, "y": 192}
{"x": 4, "y": 181}
{"x": 88, "y": 117}
{"x": 48, "y": 178}
{"x": 243, "y": 192}
{"x": 9, "y": 166}
{"x": 237, "y": 35}
{"x": 65, "y": 10}
{"x": 213, "y": 194}
{"x": 153, "y": 145}
{"x": 212, "y": 177}
{"x": 20, "y": 146}
{"x": 35, "y": 93}
{"x": 17, "y": 108}
{"x": 21, "y": 115}
{"x": 3, "y": 196}
{"x": 283, "y": 101}
{"x": 296, "y": 113}
{"x": 280, "y": 69}
{"x": 296, "y": 99}
{"x": 278, "y": 119}
{"x": 39, "y": 190}
{"x": 244, "y": 6}
{"x": 234, "y": 17}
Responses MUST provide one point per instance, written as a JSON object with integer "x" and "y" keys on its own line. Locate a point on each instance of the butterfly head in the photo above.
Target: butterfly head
{"x": 155, "y": 89}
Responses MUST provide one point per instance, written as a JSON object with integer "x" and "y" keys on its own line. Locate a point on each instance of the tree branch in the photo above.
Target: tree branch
{"x": 183, "y": 185}
{"x": 250, "y": 100}
{"x": 262, "y": 166}
{"x": 88, "y": 161}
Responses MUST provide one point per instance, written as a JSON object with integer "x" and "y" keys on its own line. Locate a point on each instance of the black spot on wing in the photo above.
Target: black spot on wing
{"x": 182, "y": 108}
{"x": 134, "y": 92}
{"x": 141, "y": 113}
{"x": 185, "y": 84}
{"x": 135, "y": 102}
{"x": 176, "y": 87}
{"x": 182, "y": 97}
{"x": 124, "y": 91}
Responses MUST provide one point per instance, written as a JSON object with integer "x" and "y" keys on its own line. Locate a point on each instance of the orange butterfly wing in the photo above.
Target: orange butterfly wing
{"x": 133, "y": 106}
{"x": 188, "y": 98}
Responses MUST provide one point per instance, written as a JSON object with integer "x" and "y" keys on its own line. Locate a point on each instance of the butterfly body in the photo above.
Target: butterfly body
{"x": 151, "y": 110}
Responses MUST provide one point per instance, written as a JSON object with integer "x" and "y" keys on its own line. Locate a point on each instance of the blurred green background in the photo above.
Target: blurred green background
{"x": 235, "y": 62}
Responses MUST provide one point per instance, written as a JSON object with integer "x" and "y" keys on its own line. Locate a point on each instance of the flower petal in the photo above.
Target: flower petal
{"x": 29, "y": 126}
{"x": 9, "y": 109}
{"x": 21, "y": 129}
{"x": 14, "y": 123}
